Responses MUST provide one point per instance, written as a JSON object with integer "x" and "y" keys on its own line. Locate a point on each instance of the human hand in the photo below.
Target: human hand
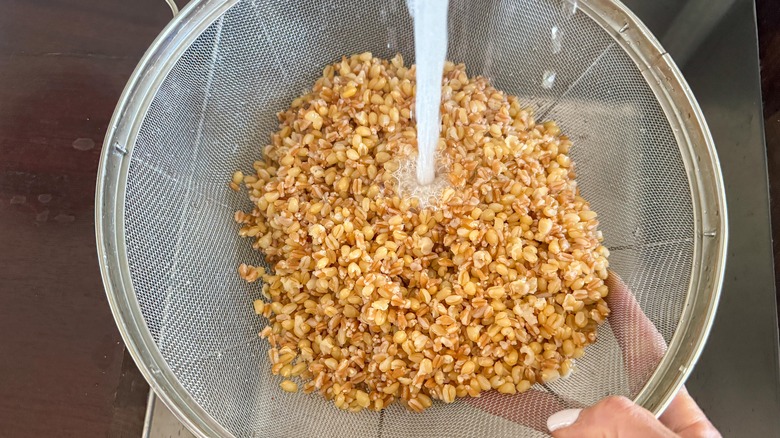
{"x": 642, "y": 347}
{"x": 620, "y": 417}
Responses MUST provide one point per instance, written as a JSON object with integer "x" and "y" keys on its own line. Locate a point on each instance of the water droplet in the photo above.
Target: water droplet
{"x": 548, "y": 79}
{"x": 18, "y": 199}
{"x": 44, "y": 198}
{"x": 570, "y": 7}
{"x": 555, "y": 39}
{"x": 42, "y": 216}
{"x": 83, "y": 144}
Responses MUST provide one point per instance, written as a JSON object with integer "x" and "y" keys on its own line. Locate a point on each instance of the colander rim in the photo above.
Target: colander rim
{"x": 662, "y": 75}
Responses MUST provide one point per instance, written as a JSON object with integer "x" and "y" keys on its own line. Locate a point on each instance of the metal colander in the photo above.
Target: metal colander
{"x": 202, "y": 104}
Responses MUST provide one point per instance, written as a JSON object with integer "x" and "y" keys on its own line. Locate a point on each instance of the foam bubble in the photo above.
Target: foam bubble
{"x": 427, "y": 195}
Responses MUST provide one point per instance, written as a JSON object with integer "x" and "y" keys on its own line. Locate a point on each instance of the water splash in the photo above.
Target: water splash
{"x": 407, "y": 186}
{"x": 548, "y": 79}
{"x": 555, "y": 39}
{"x": 430, "y": 48}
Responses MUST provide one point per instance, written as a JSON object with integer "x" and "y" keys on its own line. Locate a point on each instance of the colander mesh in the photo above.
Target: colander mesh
{"x": 215, "y": 111}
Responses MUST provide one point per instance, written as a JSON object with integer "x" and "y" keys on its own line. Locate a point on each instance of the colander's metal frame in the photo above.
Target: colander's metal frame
{"x": 708, "y": 197}
{"x": 663, "y": 76}
{"x": 109, "y": 210}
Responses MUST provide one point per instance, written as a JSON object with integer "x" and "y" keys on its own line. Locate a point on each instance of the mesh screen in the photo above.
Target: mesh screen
{"x": 214, "y": 113}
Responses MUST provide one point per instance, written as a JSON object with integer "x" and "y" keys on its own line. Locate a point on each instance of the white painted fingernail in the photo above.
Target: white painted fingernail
{"x": 562, "y": 419}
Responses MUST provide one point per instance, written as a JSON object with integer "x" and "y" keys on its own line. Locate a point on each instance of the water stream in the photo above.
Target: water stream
{"x": 430, "y": 47}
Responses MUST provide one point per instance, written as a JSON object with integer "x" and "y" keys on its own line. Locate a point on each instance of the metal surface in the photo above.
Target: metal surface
{"x": 160, "y": 421}
{"x": 204, "y": 97}
{"x": 737, "y": 381}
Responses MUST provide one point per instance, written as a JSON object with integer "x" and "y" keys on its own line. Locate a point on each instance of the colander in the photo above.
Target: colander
{"x": 202, "y": 102}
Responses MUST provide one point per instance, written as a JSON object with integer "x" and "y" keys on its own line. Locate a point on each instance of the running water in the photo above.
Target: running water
{"x": 430, "y": 49}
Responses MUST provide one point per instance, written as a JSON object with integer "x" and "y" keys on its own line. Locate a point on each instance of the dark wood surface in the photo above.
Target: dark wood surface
{"x": 63, "y": 64}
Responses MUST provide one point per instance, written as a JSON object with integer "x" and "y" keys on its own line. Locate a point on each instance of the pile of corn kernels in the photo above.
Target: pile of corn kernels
{"x": 376, "y": 297}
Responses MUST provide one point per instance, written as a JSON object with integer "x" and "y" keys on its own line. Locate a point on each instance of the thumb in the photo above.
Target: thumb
{"x": 611, "y": 417}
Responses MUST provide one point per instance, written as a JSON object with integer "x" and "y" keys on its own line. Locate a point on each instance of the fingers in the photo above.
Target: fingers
{"x": 641, "y": 344}
{"x": 613, "y": 417}
{"x": 619, "y": 417}
{"x": 563, "y": 419}
{"x": 684, "y": 417}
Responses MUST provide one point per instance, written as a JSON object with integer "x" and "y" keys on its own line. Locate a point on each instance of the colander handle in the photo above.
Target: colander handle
{"x": 172, "y": 5}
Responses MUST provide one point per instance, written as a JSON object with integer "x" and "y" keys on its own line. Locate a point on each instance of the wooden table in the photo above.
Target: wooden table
{"x": 63, "y": 63}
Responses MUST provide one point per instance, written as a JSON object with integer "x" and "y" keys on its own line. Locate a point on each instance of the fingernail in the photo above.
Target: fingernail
{"x": 562, "y": 419}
